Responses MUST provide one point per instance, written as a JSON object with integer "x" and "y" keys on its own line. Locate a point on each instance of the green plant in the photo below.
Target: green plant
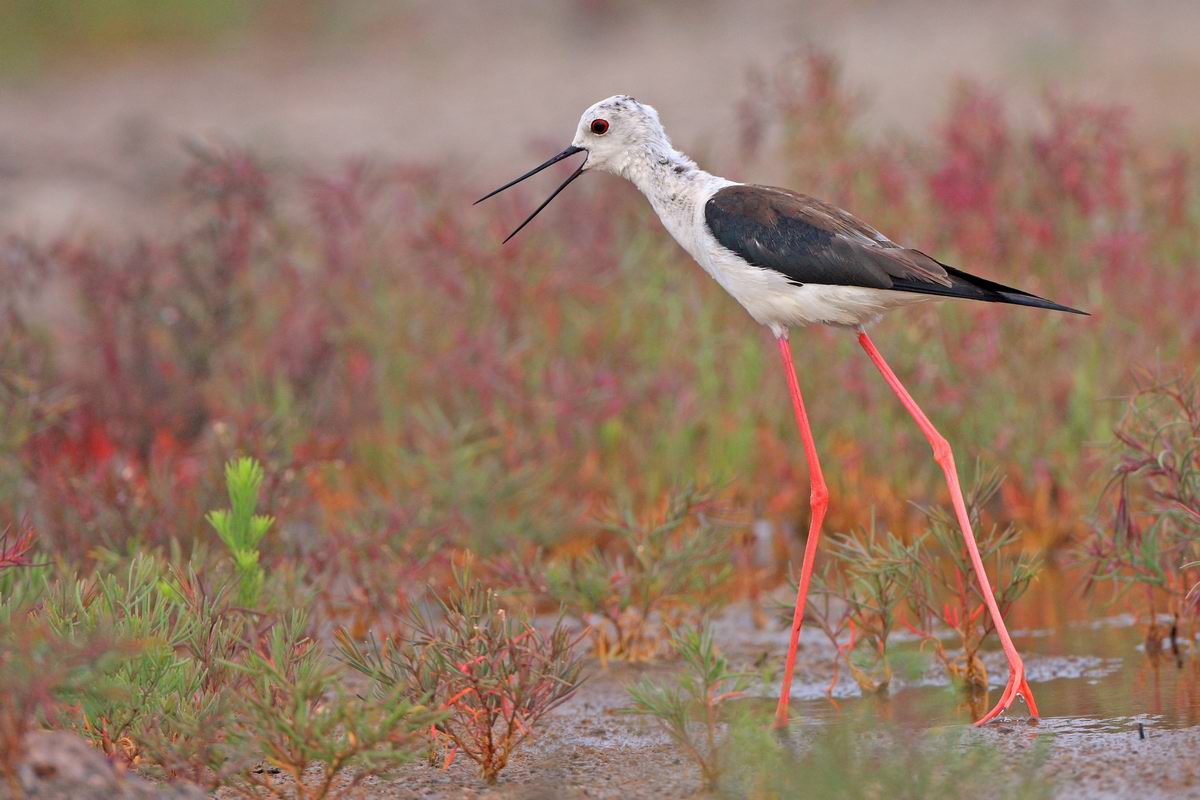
{"x": 131, "y": 607}
{"x": 691, "y": 713}
{"x": 940, "y": 566}
{"x": 167, "y": 702}
{"x": 851, "y": 758}
{"x": 492, "y": 674}
{"x": 657, "y": 573}
{"x": 202, "y": 686}
{"x": 23, "y": 582}
{"x": 190, "y": 738}
{"x": 241, "y": 529}
{"x": 828, "y": 612}
{"x": 296, "y": 713}
{"x": 870, "y": 577}
{"x": 41, "y": 673}
{"x": 187, "y": 736}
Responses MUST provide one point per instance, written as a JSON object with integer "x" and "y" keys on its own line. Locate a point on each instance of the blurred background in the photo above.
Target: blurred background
{"x": 98, "y": 96}
{"x": 221, "y": 215}
{"x": 237, "y": 228}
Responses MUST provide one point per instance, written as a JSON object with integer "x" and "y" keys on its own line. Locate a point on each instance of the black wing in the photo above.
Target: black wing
{"x": 813, "y": 242}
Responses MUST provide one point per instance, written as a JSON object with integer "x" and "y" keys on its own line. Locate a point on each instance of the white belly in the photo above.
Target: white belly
{"x": 796, "y": 306}
{"x": 775, "y": 301}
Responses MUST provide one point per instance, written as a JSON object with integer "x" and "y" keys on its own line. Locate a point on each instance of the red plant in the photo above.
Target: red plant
{"x": 968, "y": 183}
{"x": 494, "y": 674}
{"x": 1153, "y": 541}
{"x": 940, "y": 567}
{"x": 16, "y": 553}
{"x": 1085, "y": 154}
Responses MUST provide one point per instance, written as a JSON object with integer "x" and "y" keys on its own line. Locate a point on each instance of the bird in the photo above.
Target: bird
{"x": 792, "y": 261}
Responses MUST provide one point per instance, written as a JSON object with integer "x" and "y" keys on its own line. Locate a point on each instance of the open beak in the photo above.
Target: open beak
{"x": 570, "y": 151}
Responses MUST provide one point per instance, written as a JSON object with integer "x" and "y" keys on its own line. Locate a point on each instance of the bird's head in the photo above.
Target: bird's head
{"x": 611, "y": 133}
{"x": 617, "y": 129}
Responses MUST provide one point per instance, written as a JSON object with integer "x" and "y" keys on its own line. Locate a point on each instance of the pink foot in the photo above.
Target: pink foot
{"x": 1017, "y": 685}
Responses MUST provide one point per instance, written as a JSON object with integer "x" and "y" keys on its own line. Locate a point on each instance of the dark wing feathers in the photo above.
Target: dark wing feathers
{"x": 810, "y": 241}
{"x": 813, "y": 242}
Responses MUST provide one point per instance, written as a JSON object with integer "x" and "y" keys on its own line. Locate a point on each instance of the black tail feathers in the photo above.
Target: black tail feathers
{"x": 972, "y": 287}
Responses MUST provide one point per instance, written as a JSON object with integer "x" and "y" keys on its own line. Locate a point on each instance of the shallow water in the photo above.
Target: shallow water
{"x": 1088, "y": 673}
{"x": 1114, "y": 698}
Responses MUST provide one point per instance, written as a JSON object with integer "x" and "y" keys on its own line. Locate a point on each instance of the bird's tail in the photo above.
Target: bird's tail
{"x": 972, "y": 287}
{"x": 1025, "y": 299}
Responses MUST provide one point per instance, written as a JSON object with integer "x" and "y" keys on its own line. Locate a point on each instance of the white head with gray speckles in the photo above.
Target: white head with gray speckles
{"x": 625, "y": 137}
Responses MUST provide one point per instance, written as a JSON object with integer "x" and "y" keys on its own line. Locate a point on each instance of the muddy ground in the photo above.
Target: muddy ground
{"x": 589, "y": 750}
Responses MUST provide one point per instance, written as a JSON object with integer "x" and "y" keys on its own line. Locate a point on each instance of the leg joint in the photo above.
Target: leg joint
{"x": 818, "y": 495}
{"x": 942, "y": 453}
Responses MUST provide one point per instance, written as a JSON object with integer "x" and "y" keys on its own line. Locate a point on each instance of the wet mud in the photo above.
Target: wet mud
{"x": 1117, "y": 724}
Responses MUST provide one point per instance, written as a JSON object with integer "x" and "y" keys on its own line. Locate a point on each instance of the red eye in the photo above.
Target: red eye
{"x": 599, "y": 126}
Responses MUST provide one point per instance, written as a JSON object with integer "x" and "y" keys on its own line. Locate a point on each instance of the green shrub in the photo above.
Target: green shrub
{"x": 692, "y": 712}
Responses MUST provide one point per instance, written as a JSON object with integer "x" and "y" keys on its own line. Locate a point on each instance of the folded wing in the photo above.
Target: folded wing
{"x": 813, "y": 242}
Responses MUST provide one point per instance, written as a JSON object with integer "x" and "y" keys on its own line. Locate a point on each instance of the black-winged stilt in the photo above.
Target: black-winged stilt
{"x": 791, "y": 260}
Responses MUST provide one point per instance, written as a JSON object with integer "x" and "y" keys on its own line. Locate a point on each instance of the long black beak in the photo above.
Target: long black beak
{"x": 570, "y": 151}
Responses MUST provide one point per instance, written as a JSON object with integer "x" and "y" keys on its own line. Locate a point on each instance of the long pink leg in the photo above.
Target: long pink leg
{"x": 818, "y": 500}
{"x": 945, "y": 459}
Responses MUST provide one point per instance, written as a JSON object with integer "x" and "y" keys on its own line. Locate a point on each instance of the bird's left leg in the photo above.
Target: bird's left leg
{"x": 945, "y": 459}
{"x": 818, "y": 503}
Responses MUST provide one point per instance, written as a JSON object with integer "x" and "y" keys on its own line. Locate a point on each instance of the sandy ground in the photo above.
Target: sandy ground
{"x": 97, "y": 140}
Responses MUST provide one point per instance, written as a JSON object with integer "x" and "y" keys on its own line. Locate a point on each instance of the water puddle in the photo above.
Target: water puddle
{"x": 1089, "y": 674}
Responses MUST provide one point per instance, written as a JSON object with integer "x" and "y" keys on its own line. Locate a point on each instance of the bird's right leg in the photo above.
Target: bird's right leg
{"x": 1017, "y": 682}
{"x": 818, "y": 503}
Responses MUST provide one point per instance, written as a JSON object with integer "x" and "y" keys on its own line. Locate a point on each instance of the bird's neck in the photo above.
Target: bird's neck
{"x": 659, "y": 166}
{"x": 668, "y": 178}
{"x": 677, "y": 190}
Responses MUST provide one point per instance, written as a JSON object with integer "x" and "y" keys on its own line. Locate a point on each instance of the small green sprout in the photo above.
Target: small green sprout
{"x": 241, "y": 529}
